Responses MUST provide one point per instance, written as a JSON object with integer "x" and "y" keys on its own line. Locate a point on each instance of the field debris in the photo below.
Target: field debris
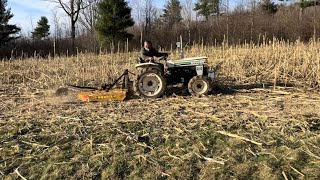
{"x": 239, "y": 137}
{"x": 163, "y": 138}
{"x": 239, "y": 132}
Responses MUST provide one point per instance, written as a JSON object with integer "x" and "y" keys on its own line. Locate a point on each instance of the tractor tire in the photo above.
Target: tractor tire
{"x": 150, "y": 84}
{"x": 199, "y": 86}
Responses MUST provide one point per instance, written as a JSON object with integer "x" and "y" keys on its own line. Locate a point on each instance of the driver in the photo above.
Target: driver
{"x": 149, "y": 53}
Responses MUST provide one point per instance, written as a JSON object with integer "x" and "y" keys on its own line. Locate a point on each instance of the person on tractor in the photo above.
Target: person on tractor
{"x": 149, "y": 53}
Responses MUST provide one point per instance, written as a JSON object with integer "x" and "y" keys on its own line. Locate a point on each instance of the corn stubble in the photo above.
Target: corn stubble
{"x": 248, "y": 133}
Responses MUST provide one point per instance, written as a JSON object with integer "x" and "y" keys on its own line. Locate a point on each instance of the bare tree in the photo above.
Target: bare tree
{"x": 72, "y": 8}
{"x": 187, "y": 10}
{"x": 225, "y": 8}
{"x": 57, "y": 28}
{"x": 187, "y": 15}
{"x": 145, "y": 14}
{"x": 137, "y": 7}
{"x": 253, "y": 4}
{"x": 88, "y": 17}
{"x": 149, "y": 15}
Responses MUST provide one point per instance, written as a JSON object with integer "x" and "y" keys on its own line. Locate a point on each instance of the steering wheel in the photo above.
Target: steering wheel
{"x": 162, "y": 58}
{"x": 165, "y": 57}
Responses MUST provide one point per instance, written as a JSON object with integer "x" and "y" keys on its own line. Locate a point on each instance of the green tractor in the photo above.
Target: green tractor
{"x": 193, "y": 73}
{"x": 154, "y": 79}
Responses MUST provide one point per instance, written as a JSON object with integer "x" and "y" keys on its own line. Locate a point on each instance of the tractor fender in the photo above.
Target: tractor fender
{"x": 149, "y": 66}
{"x": 145, "y": 65}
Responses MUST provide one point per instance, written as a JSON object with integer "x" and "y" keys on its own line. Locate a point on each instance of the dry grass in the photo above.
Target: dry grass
{"x": 247, "y": 134}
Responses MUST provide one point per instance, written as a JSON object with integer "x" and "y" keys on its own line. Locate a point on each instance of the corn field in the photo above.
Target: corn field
{"x": 269, "y": 131}
{"x": 295, "y": 64}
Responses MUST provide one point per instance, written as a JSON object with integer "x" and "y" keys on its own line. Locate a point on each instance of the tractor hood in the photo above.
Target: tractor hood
{"x": 193, "y": 61}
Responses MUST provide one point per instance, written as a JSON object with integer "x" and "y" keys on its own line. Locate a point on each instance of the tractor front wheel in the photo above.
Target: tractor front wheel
{"x": 199, "y": 86}
{"x": 150, "y": 84}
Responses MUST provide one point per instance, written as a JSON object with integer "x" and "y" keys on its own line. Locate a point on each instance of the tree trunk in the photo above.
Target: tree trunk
{"x": 73, "y": 35}
{"x": 301, "y": 13}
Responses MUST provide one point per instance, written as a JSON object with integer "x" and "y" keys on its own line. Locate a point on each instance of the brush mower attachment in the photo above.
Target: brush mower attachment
{"x": 106, "y": 92}
{"x": 100, "y": 96}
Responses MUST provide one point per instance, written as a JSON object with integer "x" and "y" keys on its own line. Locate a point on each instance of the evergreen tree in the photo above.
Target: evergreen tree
{"x": 207, "y": 8}
{"x": 7, "y": 31}
{"x": 113, "y": 20}
{"x": 308, "y": 3}
{"x": 268, "y": 6}
{"x": 305, "y": 4}
{"x": 42, "y": 30}
{"x": 172, "y": 12}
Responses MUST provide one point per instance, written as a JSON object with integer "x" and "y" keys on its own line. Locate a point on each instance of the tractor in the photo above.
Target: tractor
{"x": 153, "y": 80}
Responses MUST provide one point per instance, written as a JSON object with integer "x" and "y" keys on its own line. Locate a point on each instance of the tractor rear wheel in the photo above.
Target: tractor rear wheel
{"x": 150, "y": 84}
{"x": 199, "y": 86}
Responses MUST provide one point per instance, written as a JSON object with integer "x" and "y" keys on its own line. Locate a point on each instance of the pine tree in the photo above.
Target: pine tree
{"x": 42, "y": 30}
{"x": 308, "y": 3}
{"x": 172, "y": 12}
{"x": 7, "y": 31}
{"x": 113, "y": 21}
{"x": 269, "y": 7}
{"x": 305, "y": 4}
{"x": 207, "y": 8}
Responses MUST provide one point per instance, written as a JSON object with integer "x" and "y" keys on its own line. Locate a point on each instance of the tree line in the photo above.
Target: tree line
{"x": 114, "y": 25}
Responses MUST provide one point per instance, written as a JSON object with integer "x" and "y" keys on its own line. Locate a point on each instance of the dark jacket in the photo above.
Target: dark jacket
{"x": 151, "y": 53}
